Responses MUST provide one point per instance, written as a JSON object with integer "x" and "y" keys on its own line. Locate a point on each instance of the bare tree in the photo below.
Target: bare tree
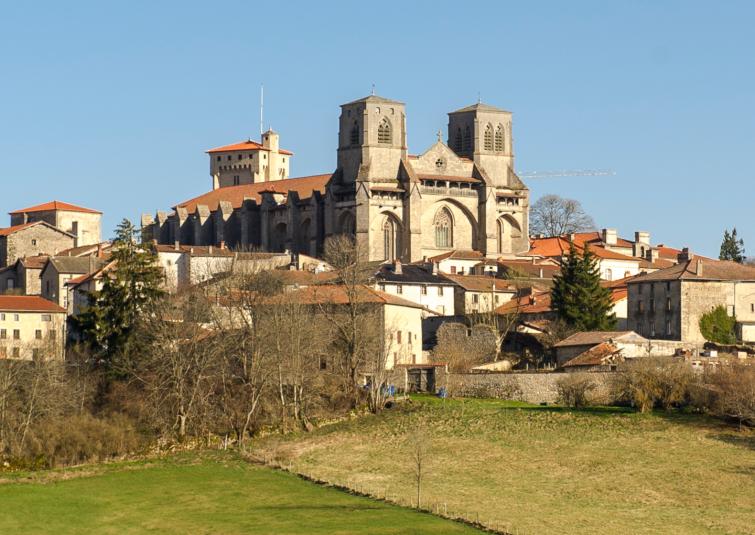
{"x": 419, "y": 446}
{"x": 552, "y": 215}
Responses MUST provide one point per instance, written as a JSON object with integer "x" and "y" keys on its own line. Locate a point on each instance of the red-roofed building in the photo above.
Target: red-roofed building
{"x": 30, "y": 239}
{"x": 31, "y": 327}
{"x": 84, "y": 224}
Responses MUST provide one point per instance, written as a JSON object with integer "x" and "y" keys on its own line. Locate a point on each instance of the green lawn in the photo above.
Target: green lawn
{"x": 545, "y": 470}
{"x": 210, "y": 493}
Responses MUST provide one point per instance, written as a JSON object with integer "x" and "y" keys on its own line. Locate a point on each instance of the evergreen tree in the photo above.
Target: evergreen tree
{"x": 577, "y": 296}
{"x": 732, "y": 248}
{"x": 131, "y": 288}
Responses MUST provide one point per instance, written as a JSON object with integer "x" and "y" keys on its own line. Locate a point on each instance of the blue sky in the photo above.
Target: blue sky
{"x": 111, "y": 105}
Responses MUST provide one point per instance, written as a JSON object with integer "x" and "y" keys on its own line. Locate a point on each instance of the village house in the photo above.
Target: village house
{"x": 457, "y": 262}
{"x": 59, "y": 270}
{"x": 30, "y": 239}
{"x": 84, "y": 224}
{"x": 31, "y": 327}
{"x": 669, "y": 303}
{"x": 418, "y": 284}
{"x": 629, "y": 343}
{"x": 480, "y": 293}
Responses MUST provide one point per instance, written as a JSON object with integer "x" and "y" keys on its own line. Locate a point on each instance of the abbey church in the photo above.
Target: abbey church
{"x": 459, "y": 195}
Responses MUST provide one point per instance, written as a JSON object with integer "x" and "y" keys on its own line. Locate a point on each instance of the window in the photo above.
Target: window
{"x": 668, "y": 327}
{"x": 488, "y": 143}
{"x": 241, "y": 156}
{"x": 354, "y": 139}
{"x": 752, "y": 307}
{"x": 457, "y": 142}
{"x": 668, "y": 304}
{"x": 236, "y": 180}
{"x": 2, "y": 317}
{"x": 219, "y": 158}
{"x": 652, "y": 329}
{"x": 15, "y": 352}
{"x": 609, "y": 274}
{"x": 390, "y": 238}
{"x": 34, "y": 242}
{"x": 499, "y": 234}
{"x": 443, "y": 229}
{"x": 52, "y": 334}
{"x": 398, "y": 337}
{"x": 15, "y": 317}
{"x": 453, "y": 270}
{"x": 46, "y": 317}
{"x": 424, "y": 290}
{"x": 440, "y": 164}
{"x": 409, "y": 338}
{"x": 440, "y": 291}
{"x": 35, "y": 353}
{"x": 38, "y": 334}
{"x": 3, "y": 334}
{"x": 668, "y": 286}
{"x": 497, "y": 299}
{"x": 499, "y": 139}
{"x": 467, "y": 146}
{"x": 652, "y": 304}
{"x": 475, "y": 298}
{"x": 229, "y": 157}
{"x": 385, "y": 137}
{"x": 399, "y": 289}
{"x": 16, "y": 334}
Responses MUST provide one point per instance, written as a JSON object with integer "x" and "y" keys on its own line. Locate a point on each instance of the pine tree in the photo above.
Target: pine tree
{"x": 577, "y": 296}
{"x": 732, "y": 248}
{"x": 131, "y": 288}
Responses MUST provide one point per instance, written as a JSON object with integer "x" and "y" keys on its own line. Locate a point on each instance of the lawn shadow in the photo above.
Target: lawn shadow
{"x": 600, "y": 410}
{"x": 743, "y": 439}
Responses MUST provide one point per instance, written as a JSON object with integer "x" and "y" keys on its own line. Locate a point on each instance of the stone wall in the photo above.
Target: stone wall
{"x": 529, "y": 387}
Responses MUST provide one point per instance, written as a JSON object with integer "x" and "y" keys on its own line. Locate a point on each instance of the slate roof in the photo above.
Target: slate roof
{"x": 74, "y": 264}
{"x": 458, "y": 255}
{"x": 712, "y": 270}
{"x": 410, "y": 274}
{"x": 480, "y": 283}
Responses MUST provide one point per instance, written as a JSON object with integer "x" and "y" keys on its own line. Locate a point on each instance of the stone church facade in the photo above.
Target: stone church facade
{"x": 462, "y": 194}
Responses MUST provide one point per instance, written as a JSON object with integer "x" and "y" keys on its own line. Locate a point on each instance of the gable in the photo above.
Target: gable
{"x": 425, "y": 164}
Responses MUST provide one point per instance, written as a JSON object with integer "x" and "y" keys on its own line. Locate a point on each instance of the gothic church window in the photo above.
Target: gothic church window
{"x": 355, "y": 134}
{"x": 488, "y": 138}
{"x": 499, "y": 139}
{"x": 499, "y": 235}
{"x": 467, "y": 146}
{"x": 457, "y": 141}
{"x": 443, "y": 224}
{"x": 384, "y": 132}
{"x": 390, "y": 239}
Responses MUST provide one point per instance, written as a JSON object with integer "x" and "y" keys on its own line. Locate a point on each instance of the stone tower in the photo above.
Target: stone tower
{"x": 482, "y": 133}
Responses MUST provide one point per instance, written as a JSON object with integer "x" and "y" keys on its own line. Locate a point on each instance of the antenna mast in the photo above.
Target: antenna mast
{"x": 262, "y": 108}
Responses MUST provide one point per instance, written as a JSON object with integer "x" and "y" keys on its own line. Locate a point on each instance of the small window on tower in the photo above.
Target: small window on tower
{"x": 219, "y": 158}
{"x": 229, "y": 157}
{"x": 34, "y": 242}
{"x": 241, "y": 156}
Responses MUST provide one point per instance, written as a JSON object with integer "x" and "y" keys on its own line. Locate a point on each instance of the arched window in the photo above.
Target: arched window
{"x": 355, "y": 134}
{"x": 489, "y": 138}
{"x": 499, "y": 236}
{"x": 346, "y": 223}
{"x": 302, "y": 245}
{"x": 499, "y": 139}
{"x": 443, "y": 225}
{"x": 384, "y": 132}
{"x": 457, "y": 141}
{"x": 390, "y": 239}
{"x": 467, "y": 146}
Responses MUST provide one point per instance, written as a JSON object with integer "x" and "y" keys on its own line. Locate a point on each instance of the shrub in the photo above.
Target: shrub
{"x": 731, "y": 393}
{"x": 717, "y": 326}
{"x": 574, "y": 390}
{"x": 648, "y": 382}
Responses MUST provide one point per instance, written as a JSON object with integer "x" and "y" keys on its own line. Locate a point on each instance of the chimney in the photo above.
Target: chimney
{"x": 209, "y": 249}
{"x": 652, "y": 254}
{"x": 699, "y": 267}
{"x": 642, "y": 237}
{"x": 177, "y": 245}
{"x": 609, "y": 236}
{"x": 685, "y": 255}
{"x": 572, "y": 237}
{"x": 533, "y": 299}
{"x": 397, "y": 269}
{"x": 99, "y": 250}
{"x": 222, "y": 245}
{"x": 435, "y": 268}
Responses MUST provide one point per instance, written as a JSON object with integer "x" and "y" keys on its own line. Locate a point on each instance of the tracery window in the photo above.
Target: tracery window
{"x": 467, "y": 146}
{"x": 390, "y": 239}
{"x": 499, "y": 139}
{"x": 489, "y": 138}
{"x": 355, "y": 134}
{"x": 384, "y": 132}
{"x": 457, "y": 141}
{"x": 443, "y": 224}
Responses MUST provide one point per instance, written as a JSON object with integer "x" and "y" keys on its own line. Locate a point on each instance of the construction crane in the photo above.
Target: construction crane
{"x": 570, "y": 172}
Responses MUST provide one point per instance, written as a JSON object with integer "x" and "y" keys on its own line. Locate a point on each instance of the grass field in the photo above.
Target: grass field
{"x": 545, "y": 470}
{"x": 189, "y": 493}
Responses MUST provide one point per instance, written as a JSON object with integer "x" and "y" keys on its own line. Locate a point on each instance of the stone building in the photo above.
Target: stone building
{"x": 31, "y": 239}
{"x": 668, "y": 304}
{"x": 461, "y": 194}
{"x": 83, "y": 224}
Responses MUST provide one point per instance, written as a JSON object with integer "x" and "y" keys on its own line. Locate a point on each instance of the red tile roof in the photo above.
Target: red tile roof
{"x": 536, "y": 303}
{"x": 34, "y": 262}
{"x": 595, "y": 356}
{"x": 28, "y": 303}
{"x": 247, "y": 145}
{"x": 559, "y": 246}
{"x": 336, "y": 294}
{"x": 55, "y": 205}
{"x": 304, "y": 186}
{"x": 10, "y": 230}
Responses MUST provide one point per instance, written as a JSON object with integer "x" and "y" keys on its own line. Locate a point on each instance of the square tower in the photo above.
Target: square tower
{"x": 483, "y": 134}
{"x": 371, "y": 138}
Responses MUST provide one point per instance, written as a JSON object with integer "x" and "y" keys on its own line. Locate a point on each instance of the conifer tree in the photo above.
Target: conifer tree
{"x": 131, "y": 287}
{"x": 732, "y": 248}
{"x": 577, "y": 296}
